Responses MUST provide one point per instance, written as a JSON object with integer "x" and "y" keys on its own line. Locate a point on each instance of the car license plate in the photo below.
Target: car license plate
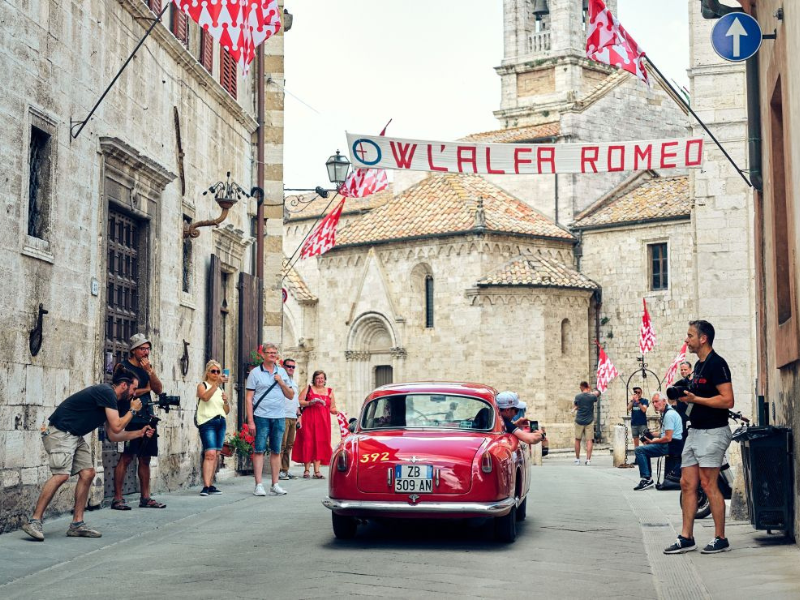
{"x": 413, "y": 479}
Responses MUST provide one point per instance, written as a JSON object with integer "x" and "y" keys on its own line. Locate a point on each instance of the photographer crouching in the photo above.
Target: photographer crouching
{"x": 69, "y": 454}
{"x": 671, "y": 431}
{"x": 138, "y": 362}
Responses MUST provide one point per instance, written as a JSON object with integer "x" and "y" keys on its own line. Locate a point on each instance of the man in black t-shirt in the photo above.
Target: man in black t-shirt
{"x": 69, "y": 454}
{"x": 709, "y": 399}
{"x": 138, "y": 362}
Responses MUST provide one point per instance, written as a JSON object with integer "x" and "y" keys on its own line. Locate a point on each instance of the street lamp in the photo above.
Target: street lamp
{"x": 226, "y": 194}
{"x": 338, "y": 166}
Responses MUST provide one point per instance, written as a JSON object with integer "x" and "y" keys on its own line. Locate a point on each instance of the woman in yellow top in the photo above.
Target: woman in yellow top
{"x": 212, "y": 406}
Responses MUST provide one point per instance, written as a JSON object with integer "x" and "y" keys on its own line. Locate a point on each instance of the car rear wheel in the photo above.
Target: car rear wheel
{"x": 505, "y": 528}
{"x": 522, "y": 510}
{"x": 344, "y": 528}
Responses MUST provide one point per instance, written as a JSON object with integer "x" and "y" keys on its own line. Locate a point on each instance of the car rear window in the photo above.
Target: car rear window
{"x": 428, "y": 411}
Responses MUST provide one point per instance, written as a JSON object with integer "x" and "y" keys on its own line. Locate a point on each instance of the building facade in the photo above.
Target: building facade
{"x": 94, "y": 248}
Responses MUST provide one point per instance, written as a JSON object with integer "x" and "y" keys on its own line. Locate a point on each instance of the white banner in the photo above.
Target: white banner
{"x": 383, "y": 152}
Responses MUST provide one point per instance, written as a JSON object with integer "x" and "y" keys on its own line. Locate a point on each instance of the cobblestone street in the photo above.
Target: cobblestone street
{"x": 588, "y": 535}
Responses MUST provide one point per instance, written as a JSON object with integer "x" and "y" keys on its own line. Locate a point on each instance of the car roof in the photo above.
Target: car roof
{"x": 478, "y": 390}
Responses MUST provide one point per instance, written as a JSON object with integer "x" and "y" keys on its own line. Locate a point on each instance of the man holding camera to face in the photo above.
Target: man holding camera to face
{"x": 69, "y": 454}
{"x": 671, "y": 432}
{"x": 138, "y": 362}
{"x": 709, "y": 397}
{"x": 637, "y": 406}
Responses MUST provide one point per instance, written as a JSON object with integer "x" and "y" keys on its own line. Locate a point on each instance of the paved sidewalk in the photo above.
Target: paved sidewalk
{"x": 588, "y": 535}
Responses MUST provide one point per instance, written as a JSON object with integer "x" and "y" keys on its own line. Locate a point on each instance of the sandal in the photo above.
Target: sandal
{"x": 306, "y": 474}
{"x": 119, "y": 505}
{"x": 319, "y": 476}
{"x": 150, "y": 503}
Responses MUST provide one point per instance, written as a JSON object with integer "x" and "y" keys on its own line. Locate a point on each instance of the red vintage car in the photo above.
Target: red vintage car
{"x": 430, "y": 450}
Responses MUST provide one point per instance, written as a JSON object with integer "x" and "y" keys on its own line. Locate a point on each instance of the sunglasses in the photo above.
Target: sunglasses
{"x": 289, "y": 366}
{"x": 214, "y": 371}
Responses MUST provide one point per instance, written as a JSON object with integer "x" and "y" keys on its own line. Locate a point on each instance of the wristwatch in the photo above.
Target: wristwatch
{"x": 134, "y": 412}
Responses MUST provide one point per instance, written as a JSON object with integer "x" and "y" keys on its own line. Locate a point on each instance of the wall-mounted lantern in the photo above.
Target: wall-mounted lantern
{"x": 226, "y": 194}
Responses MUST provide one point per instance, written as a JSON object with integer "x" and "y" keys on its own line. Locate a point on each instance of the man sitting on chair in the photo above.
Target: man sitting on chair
{"x": 671, "y": 430}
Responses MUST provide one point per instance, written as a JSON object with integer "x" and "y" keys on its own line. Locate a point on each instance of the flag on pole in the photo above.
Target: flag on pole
{"x": 647, "y": 337}
{"x": 323, "y": 238}
{"x": 673, "y": 368}
{"x": 608, "y": 42}
{"x": 606, "y": 371}
{"x": 341, "y": 418}
{"x": 240, "y": 26}
{"x": 361, "y": 183}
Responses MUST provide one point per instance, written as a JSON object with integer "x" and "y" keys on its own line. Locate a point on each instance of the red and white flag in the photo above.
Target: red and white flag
{"x": 647, "y": 337}
{"x": 608, "y": 42}
{"x": 606, "y": 371}
{"x": 365, "y": 182}
{"x": 323, "y": 238}
{"x": 343, "y": 424}
{"x": 673, "y": 368}
{"x": 240, "y": 26}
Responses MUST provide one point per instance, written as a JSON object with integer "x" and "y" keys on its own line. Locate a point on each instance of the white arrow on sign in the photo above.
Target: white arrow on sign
{"x": 737, "y": 31}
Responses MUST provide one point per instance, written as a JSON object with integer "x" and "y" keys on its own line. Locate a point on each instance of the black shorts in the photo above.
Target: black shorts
{"x": 148, "y": 446}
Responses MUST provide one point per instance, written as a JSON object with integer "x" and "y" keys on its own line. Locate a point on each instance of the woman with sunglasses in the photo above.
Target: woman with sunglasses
{"x": 212, "y": 406}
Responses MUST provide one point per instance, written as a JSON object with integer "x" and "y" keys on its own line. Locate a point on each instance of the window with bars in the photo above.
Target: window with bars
{"x": 227, "y": 72}
{"x": 206, "y": 51}
{"x": 659, "y": 267}
{"x": 429, "y": 301}
{"x": 180, "y": 25}
{"x": 187, "y": 259}
{"x": 38, "y": 182}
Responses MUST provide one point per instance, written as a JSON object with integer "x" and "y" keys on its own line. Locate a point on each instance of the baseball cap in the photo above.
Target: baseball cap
{"x": 507, "y": 400}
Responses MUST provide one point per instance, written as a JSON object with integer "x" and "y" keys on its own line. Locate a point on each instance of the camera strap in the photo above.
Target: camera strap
{"x": 269, "y": 389}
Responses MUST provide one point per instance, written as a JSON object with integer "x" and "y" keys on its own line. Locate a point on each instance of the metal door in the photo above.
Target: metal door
{"x": 123, "y": 238}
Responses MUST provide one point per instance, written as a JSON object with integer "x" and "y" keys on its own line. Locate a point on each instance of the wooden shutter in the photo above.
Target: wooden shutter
{"x": 227, "y": 72}
{"x": 206, "y": 51}
{"x": 249, "y": 300}
{"x": 155, "y": 5}
{"x": 180, "y": 25}
{"x": 214, "y": 331}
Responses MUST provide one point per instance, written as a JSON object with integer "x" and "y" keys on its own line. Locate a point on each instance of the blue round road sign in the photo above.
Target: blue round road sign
{"x": 736, "y": 37}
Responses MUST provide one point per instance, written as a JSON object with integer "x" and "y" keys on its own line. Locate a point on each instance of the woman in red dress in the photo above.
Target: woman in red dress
{"x": 313, "y": 443}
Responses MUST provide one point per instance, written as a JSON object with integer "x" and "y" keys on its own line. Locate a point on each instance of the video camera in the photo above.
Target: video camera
{"x": 165, "y": 401}
{"x": 676, "y": 392}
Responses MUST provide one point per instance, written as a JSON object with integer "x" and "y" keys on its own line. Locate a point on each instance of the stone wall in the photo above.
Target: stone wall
{"x": 61, "y": 56}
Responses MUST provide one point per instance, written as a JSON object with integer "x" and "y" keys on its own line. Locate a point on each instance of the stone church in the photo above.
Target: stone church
{"x": 509, "y": 280}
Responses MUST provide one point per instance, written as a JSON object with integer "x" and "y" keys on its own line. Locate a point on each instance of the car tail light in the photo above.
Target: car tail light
{"x": 486, "y": 462}
{"x": 341, "y": 461}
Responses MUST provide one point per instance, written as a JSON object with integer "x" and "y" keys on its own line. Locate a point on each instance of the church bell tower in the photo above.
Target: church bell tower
{"x": 544, "y": 66}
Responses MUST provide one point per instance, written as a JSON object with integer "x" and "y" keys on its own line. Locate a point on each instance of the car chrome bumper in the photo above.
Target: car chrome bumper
{"x": 497, "y": 508}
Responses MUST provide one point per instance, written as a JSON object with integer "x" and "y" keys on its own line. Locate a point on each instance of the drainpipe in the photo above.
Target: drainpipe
{"x": 260, "y": 117}
{"x": 754, "y": 123}
{"x": 556, "y": 194}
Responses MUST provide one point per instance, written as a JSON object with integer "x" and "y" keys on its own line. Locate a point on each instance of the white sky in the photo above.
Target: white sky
{"x": 351, "y": 65}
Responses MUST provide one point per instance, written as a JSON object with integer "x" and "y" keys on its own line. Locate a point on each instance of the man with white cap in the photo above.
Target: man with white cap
{"x": 509, "y": 404}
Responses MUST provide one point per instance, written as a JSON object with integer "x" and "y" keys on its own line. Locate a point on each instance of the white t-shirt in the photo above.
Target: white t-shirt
{"x": 292, "y": 405}
{"x": 273, "y": 404}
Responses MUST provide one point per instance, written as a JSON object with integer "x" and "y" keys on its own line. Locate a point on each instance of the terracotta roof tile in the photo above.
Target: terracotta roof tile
{"x": 308, "y": 206}
{"x": 537, "y": 271}
{"x": 658, "y": 198}
{"x": 296, "y": 285}
{"x": 449, "y": 204}
{"x": 516, "y": 134}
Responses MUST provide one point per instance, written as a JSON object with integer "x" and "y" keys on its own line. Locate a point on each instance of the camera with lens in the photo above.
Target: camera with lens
{"x": 676, "y": 392}
{"x": 646, "y": 436}
{"x": 165, "y": 401}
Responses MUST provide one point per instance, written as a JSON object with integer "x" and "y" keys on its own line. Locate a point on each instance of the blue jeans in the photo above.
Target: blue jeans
{"x": 212, "y": 433}
{"x": 643, "y": 454}
{"x": 269, "y": 430}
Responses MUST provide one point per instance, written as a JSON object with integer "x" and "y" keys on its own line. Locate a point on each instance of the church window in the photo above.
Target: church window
{"x": 659, "y": 266}
{"x": 39, "y": 176}
{"x": 565, "y": 336}
{"x": 429, "y": 301}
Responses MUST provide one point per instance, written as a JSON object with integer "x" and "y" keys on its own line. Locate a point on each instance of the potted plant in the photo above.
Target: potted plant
{"x": 241, "y": 444}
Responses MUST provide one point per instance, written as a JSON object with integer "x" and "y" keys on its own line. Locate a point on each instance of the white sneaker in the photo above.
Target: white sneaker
{"x": 283, "y": 475}
{"x": 577, "y": 461}
{"x": 588, "y": 463}
{"x": 259, "y": 491}
{"x": 277, "y": 490}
